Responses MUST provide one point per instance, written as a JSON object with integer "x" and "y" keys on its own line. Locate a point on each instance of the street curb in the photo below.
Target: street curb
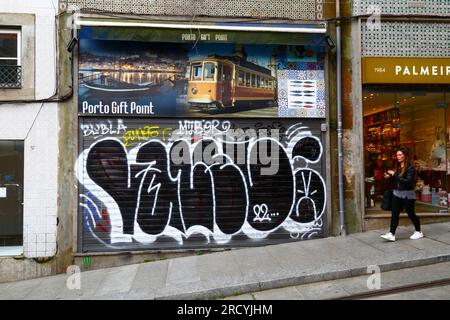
{"x": 218, "y": 293}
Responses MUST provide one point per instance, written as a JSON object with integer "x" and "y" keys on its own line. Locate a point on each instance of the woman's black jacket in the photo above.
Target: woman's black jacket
{"x": 407, "y": 181}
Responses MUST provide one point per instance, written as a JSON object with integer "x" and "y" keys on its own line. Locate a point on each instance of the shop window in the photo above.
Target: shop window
{"x": 10, "y": 64}
{"x": 418, "y": 119}
{"x": 11, "y": 193}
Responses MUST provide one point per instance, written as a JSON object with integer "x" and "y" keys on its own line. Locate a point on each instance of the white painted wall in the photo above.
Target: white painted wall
{"x": 37, "y": 124}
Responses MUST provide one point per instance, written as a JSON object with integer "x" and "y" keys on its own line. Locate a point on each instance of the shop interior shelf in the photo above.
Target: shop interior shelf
{"x": 430, "y": 204}
{"x": 387, "y": 122}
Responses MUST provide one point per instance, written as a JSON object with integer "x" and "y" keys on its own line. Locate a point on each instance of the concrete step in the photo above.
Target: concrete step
{"x": 372, "y": 283}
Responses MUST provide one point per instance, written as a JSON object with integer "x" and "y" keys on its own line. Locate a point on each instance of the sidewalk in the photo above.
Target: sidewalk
{"x": 246, "y": 270}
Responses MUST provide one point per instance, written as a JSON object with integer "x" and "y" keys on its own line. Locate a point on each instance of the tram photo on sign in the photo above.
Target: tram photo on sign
{"x": 199, "y": 78}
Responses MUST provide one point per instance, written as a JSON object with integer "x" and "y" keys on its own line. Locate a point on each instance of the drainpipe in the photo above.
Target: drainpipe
{"x": 339, "y": 116}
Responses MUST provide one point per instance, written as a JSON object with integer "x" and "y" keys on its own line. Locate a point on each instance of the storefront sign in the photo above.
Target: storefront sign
{"x": 406, "y": 70}
{"x": 180, "y": 73}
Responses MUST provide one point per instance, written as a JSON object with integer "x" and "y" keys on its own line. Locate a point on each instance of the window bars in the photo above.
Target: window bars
{"x": 10, "y": 77}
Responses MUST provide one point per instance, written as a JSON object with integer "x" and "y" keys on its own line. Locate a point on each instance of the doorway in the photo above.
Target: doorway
{"x": 416, "y": 117}
{"x": 11, "y": 195}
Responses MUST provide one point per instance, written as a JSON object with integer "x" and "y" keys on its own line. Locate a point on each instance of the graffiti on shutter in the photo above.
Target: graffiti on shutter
{"x": 170, "y": 183}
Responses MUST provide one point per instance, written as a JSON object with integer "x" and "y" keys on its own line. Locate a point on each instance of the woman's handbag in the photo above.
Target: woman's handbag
{"x": 386, "y": 203}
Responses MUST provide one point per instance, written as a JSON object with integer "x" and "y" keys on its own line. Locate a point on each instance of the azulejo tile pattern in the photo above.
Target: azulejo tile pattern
{"x": 403, "y": 7}
{"x": 304, "y": 71}
{"x": 293, "y": 9}
{"x": 406, "y": 39}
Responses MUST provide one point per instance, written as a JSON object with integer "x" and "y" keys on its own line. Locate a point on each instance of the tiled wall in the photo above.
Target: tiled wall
{"x": 406, "y": 39}
{"x": 294, "y": 9}
{"x": 40, "y": 184}
{"x": 403, "y": 7}
{"x": 37, "y": 125}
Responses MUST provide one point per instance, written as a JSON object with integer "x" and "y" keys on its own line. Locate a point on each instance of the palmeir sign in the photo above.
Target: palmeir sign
{"x": 405, "y": 70}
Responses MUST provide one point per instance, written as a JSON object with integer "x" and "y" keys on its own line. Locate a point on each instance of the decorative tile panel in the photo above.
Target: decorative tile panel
{"x": 292, "y": 9}
{"x": 406, "y": 39}
{"x": 301, "y": 90}
{"x": 403, "y": 7}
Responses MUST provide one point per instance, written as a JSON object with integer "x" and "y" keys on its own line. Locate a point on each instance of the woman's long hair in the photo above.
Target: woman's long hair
{"x": 407, "y": 161}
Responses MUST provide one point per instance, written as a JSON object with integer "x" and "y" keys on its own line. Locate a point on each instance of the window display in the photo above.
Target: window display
{"x": 419, "y": 120}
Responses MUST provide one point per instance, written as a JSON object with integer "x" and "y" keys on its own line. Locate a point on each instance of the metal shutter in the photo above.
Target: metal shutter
{"x": 133, "y": 197}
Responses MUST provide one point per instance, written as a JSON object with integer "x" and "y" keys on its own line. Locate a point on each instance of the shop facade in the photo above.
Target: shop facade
{"x": 405, "y": 103}
{"x": 397, "y": 95}
{"x": 200, "y": 139}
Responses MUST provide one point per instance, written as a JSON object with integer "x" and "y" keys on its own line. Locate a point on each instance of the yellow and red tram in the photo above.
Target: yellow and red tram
{"x": 218, "y": 82}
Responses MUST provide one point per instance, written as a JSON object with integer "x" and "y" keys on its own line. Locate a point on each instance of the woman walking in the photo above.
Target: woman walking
{"x": 404, "y": 195}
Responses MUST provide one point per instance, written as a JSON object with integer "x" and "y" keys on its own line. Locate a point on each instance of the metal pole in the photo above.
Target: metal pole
{"x": 342, "y": 230}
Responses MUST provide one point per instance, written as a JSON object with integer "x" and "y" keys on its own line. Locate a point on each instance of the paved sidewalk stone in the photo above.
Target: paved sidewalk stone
{"x": 240, "y": 271}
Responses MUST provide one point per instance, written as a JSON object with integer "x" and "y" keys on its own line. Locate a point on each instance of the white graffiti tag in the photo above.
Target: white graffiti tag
{"x": 184, "y": 188}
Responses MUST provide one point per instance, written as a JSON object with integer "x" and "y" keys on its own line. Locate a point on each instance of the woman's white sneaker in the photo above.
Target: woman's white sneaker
{"x": 388, "y": 236}
{"x": 416, "y": 235}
